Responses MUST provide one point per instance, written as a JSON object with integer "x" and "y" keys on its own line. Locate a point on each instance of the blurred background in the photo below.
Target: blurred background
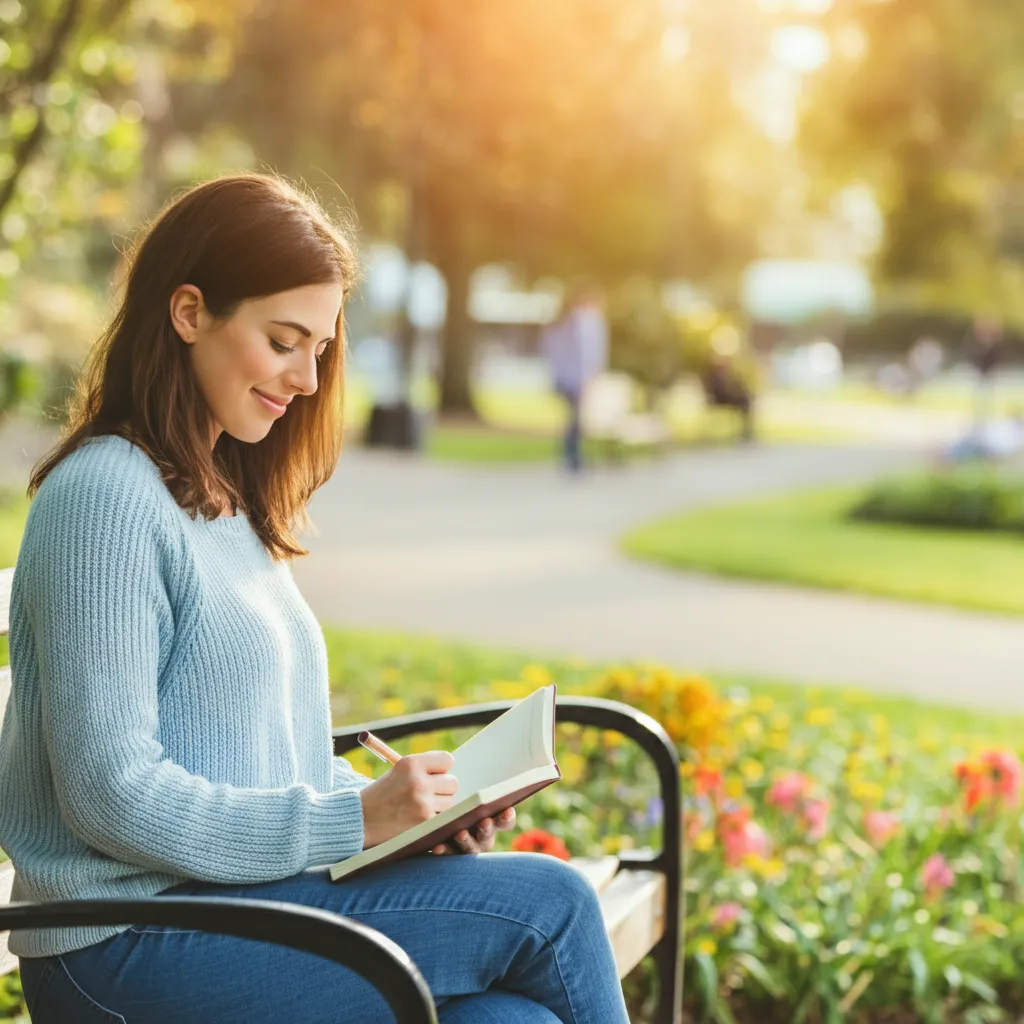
{"x": 797, "y": 227}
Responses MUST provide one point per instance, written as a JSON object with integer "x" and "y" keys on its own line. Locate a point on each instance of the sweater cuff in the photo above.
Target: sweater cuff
{"x": 335, "y": 827}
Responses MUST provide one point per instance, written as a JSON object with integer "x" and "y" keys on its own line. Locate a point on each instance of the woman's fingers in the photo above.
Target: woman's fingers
{"x": 481, "y": 838}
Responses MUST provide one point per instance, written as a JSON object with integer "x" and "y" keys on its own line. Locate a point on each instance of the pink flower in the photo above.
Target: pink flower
{"x": 787, "y": 791}
{"x": 816, "y": 816}
{"x": 740, "y": 835}
{"x": 881, "y": 826}
{"x": 725, "y": 916}
{"x": 936, "y": 875}
{"x": 1005, "y": 770}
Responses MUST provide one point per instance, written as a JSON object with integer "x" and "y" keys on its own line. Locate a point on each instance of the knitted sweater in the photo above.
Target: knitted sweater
{"x": 169, "y": 716}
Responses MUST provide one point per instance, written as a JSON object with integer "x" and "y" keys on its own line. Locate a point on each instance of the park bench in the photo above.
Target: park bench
{"x": 640, "y": 891}
{"x": 607, "y": 417}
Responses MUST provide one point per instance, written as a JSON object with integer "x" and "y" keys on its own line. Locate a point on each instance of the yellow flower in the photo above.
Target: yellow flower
{"x": 820, "y": 716}
{"x": 763, "y": 705}
{"x": 707, "y": 947}
{"x": 734, "y": 787}
{"x": 573, "y": 765}
{"x": 780, "y": 721}
{"x": 751, "y": 728}
{"x": 392, "y": 706}
{"x": 686, "y": 769}
{"x": 928, "y": 744}
{"x": 879, "y": 725}
{"x": 421, "y": 743}
{"x": 610, "y": 738}
{"x": 704, "y": 841}
{"x": 616, "y": 844}
{"x": 752, "y": 771}
{"x": 867, "y": 792}
{"x": 777, "y": 740}
{"x": 511, "y": 689}
{"x": 536, "y": 676}
{"x": 766, "y": 867}
{"x": 389, "y": 675}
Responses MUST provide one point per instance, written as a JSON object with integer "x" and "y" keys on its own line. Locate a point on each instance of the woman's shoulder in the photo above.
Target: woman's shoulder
{"x": 105, "y": 476}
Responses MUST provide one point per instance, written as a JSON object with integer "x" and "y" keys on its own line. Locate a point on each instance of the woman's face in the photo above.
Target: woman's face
{"x": 268, "y": 346}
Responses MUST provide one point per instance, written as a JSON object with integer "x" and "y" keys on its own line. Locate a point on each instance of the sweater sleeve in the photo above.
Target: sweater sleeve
{"x": 346, "y": 777}
{"x": 96, "y": 600}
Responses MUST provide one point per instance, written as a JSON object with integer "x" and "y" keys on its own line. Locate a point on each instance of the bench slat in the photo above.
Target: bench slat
{"x": 599, "y": 871}
{"x": 6, "y": 579}
{"x": 8, "y": 961}
{"x": 633, "y": 906}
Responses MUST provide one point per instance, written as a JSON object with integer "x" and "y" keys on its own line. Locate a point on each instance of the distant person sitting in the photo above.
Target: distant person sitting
{"x": 724, "y": 386}
{"x": 995, "y": 439}
{"x": 575, "y": 346}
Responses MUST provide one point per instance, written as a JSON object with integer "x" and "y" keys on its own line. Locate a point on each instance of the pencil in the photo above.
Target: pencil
{"x": 379, "y": 747}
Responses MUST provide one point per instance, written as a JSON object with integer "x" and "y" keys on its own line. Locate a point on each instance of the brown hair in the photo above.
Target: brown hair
{"x": 236, "y": 237}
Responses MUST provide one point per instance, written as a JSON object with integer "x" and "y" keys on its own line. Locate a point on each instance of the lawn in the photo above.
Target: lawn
{"x": 804, "y": 538}
{"x": 524, "y": 425}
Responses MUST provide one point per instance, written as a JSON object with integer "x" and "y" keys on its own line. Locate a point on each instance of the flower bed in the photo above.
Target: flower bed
{"x": 841, "y": 865}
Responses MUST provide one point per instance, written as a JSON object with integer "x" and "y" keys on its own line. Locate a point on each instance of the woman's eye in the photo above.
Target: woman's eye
{"x": 278, "y": 347}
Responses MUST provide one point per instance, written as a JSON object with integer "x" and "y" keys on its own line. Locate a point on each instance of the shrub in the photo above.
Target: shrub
{"x": 969, "y": 497}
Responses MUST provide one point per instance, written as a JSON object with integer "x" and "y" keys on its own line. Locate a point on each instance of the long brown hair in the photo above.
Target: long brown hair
{"x": 236, "y": 237}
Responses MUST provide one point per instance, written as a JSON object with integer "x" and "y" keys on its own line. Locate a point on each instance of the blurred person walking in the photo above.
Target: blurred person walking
{"x": 575, "y": 346}
{"x": 984, "y": 349}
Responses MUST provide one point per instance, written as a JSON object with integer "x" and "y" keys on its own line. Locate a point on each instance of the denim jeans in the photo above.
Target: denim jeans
{"x": 513, "y": 938}
{"x": 572, "y": 440}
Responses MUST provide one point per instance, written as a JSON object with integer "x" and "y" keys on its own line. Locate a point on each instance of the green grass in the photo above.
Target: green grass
{"x": 369, "y": 668}
{"x": 803, "y": 538}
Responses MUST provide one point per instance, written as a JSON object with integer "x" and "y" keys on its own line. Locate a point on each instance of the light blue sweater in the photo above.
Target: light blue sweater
{"x": 169, "y": 715}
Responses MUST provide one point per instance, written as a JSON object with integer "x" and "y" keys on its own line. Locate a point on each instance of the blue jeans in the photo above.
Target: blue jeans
{"x": 513, "y": 938}
{"x": 572, "y": 440}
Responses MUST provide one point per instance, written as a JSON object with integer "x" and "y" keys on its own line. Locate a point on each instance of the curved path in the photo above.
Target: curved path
{"x": 526, "y": 558}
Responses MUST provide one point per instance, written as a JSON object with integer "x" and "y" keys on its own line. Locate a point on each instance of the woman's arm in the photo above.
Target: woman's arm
{"x": 346, "y": 777}
{"x": 96, "y": 598}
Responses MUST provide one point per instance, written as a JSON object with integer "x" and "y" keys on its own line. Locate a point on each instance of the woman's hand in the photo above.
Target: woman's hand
{"x": 415, "y": 789}
{"x": 479, "y": 839}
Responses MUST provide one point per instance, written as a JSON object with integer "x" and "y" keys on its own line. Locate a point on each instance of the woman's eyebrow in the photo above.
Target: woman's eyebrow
{"x": 304, "y": 331}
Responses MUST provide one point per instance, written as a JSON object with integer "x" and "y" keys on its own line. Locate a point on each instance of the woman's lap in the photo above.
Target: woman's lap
{"x": 525, "y": 924}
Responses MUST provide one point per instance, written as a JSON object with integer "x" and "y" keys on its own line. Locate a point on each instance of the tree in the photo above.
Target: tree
{"x": 923, "y": 102}
{"x": 565, "y": 137}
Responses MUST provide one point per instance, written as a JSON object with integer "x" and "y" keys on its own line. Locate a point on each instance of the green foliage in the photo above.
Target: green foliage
{"x": 921, "y": 103}
{"x": 808, "y": 538}
{"x": 646, "y": 342}
{"x": 970, "y": 497}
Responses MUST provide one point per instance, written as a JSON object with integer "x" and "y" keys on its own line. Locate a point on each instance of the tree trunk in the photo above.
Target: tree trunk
{"x": 457, "y": 338}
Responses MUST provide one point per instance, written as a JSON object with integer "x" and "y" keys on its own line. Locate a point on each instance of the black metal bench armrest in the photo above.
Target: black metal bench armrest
{"x": 594, "y": 711}
{"x": 371, "y": 955}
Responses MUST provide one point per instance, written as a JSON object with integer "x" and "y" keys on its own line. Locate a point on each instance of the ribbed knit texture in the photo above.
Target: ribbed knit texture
{"x": 169, "y": 716}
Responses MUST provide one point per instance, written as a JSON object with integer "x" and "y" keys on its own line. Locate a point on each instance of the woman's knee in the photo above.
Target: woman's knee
{"x": 551, "y": 888}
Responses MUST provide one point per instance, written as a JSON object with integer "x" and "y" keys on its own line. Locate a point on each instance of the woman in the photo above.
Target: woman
{"x": 169, "y": 724}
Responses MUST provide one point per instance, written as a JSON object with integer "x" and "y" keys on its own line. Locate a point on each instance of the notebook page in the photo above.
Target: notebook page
{"x": 517, "y": 741}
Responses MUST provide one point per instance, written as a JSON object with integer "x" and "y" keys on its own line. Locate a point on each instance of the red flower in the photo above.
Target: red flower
{"x": 539, "y": 841}
{"x": 994, "y": 777}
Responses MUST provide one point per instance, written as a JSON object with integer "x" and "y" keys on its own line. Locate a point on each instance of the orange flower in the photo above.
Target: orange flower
{"x": 538, "y": 841}
{"x": 994, "y": 777}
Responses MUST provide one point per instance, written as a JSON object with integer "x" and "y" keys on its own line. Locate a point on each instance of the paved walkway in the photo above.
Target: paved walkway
{"x": 526, "y": 558}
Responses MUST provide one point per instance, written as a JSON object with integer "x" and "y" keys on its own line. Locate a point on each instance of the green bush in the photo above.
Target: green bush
{"x": 971, "y": 497}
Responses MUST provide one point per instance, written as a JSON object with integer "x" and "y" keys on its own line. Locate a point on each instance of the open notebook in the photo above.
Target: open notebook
{"x": 505, "y": 762}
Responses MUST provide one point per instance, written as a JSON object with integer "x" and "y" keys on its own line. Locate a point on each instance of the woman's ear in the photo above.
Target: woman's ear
{"x": 185, "y": 306}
